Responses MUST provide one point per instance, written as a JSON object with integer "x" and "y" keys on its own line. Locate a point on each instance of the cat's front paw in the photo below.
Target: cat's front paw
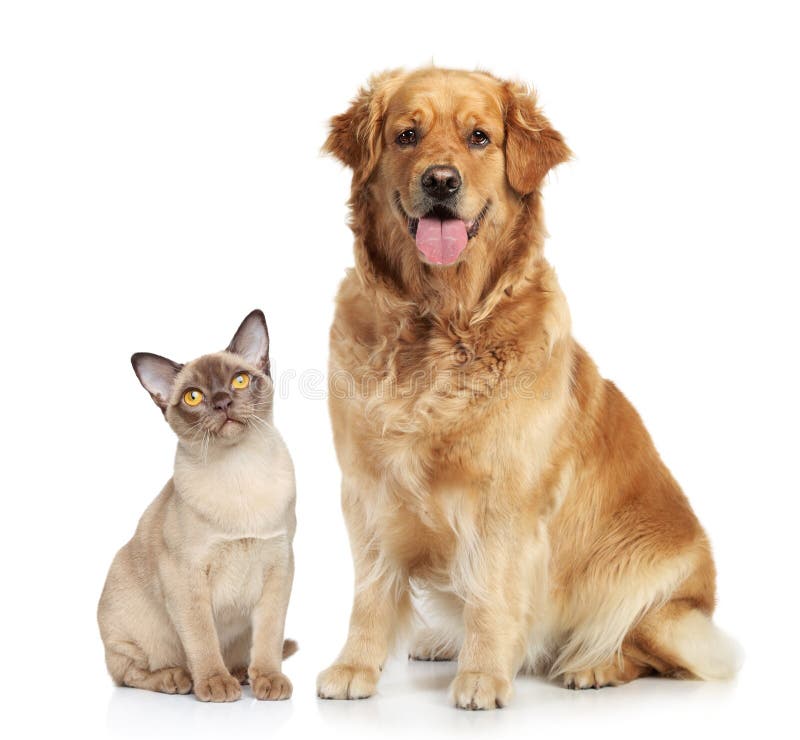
{"x": 480, "y": 691}
{"x": 269, "y": 685}
{"x": 342, "y": 681}
{"x": 217, "y": 687}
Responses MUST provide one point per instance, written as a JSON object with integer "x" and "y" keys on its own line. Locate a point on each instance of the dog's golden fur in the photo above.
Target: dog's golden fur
{"x": 489, "y": 472}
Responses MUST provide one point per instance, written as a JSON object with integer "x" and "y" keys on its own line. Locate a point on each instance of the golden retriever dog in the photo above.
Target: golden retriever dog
{"x": 493, "y": 481}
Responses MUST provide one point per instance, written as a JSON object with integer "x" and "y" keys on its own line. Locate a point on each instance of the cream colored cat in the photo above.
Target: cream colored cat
{"x": 197, "y": 599}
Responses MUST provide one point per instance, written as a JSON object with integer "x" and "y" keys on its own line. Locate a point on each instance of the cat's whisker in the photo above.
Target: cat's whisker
{"x": 259, "y": 420}
{"x": 262, "y": 433}
{"x": 196, "y": 429}
{"x": 258, "y": 425}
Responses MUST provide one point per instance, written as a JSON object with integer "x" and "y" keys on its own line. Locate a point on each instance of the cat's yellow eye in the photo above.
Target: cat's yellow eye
{"x": 192, "y": 397}
{"x": 242, "y": 380}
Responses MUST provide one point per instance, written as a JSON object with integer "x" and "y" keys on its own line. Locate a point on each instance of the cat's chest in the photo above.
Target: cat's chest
{"x": 243, "y": 494}
{"x": 236, "y": 570}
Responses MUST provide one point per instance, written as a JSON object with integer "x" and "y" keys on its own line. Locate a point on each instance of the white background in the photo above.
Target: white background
{"x": 160, "y": 177}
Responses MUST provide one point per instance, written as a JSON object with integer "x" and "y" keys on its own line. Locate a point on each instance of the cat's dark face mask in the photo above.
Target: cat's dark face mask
{"x": 218, "y": 397}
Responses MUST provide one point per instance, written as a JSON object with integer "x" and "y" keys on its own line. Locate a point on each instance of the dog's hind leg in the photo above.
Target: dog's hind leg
{"x": 442, "y": 637}
{"x": 435, "y": 643}
{"x": 616, "y": 673}
{"x": 676, "y": 640}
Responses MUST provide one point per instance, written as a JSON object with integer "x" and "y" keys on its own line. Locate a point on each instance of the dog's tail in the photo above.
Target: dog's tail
{"x": 701, "y": 647}
{"x": 289, "y": 648}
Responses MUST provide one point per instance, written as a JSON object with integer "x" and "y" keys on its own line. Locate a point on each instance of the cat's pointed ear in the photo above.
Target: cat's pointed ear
{"x": 251, "y": 341}
{"x": 157, "y": 374}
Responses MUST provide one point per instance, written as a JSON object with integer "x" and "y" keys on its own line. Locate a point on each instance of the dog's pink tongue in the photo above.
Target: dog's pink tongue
{"x": 441, "y": 241}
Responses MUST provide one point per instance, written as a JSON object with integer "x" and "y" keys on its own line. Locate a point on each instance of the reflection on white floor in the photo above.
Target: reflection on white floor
{"x": 412, "y": 701}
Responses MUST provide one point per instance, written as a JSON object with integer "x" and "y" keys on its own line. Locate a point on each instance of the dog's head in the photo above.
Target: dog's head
{"x": 447, "y": 153}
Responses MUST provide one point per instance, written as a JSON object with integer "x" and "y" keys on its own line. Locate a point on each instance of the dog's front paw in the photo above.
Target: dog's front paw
{"x": 217, "y": 687}
{"x": 342, "y": 681}
{"x": 480, "y": 691}
{"x": 270, "y": 685}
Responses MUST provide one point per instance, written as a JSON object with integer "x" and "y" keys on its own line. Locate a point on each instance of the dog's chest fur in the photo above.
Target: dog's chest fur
{"x": 429, "y": 410}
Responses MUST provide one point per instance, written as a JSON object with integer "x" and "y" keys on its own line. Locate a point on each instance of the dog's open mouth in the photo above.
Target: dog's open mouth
{"x": 440, "y": 234}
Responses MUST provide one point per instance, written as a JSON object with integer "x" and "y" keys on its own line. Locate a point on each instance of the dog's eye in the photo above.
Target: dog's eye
{"x": 478, "y": 138}
{"x": 407, "y": 137}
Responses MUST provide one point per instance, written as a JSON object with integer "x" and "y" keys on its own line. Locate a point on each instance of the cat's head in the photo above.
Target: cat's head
{"x": 217, "y": 398}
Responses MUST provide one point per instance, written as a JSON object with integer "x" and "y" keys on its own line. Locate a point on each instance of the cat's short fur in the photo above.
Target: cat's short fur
{"x": 197, "y": 599}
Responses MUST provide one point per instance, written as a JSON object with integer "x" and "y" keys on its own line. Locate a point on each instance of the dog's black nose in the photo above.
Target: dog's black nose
{"x": 441, "y": 181}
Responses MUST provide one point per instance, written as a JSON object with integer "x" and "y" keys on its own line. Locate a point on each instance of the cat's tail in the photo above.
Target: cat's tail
{"x": 289, "y": 648}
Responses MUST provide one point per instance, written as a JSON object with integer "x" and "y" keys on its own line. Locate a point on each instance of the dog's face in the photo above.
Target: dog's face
{"x": 447, "y": 153}
{"x": 443, "y": 160}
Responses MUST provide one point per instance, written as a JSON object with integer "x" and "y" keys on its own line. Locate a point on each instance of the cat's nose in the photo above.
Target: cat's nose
{"x": 222, "y": 401}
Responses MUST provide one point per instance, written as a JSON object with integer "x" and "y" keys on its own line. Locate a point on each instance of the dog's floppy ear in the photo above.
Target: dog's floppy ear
{"x": 355, "y": 135}
{"x": 533, "y": 146}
